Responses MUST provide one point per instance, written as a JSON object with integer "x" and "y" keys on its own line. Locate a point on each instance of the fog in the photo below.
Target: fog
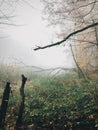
{"x": 17, "y": 42}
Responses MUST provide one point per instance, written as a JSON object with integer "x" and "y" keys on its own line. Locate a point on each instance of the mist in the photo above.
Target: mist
{"x": 17, "y": 42}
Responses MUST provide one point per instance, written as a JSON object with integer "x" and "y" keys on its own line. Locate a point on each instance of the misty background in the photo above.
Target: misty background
{"x": 30, "y": 30}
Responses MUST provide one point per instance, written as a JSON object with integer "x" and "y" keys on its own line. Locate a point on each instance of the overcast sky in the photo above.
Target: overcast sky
{"x": 19, "y": 41}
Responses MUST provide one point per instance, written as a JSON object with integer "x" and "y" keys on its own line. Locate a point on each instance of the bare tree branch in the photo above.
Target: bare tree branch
{"x": 85, "y": 5}
{"x": 66, "y": 38}
{"x": 80, "y": 72}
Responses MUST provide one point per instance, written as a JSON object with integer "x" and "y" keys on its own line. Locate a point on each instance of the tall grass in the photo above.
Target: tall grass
{"x": 63, "y": 100}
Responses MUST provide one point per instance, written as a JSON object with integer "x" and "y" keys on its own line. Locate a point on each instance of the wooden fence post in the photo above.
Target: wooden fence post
{"x": 19, "y": 122}
{"x": 4, "y": 104}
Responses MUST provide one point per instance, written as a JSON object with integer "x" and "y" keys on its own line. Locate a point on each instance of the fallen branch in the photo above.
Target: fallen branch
{"x": 65, "y": 39}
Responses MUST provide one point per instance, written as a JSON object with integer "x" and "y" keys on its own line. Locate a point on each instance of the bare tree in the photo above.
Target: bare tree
{"x": 78, "y": 21}
{"x": 8, "y": 8}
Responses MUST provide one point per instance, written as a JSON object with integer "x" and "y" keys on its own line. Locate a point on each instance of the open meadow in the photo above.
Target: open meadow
{"x": 52, "y": 102}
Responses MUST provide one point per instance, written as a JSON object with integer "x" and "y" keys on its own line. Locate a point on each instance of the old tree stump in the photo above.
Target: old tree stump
{"x": 19, "y": 122}
{"x": 4, "y": 104}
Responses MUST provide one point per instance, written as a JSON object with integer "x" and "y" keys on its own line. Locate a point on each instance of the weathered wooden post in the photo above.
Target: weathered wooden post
{"x": 4, "y": 104}
{"x": 19, "y": 122}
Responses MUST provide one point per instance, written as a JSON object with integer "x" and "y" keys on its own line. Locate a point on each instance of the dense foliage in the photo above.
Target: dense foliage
{"x": 61, "y": 102}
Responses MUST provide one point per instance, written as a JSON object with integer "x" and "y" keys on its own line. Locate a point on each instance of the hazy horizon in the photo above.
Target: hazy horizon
{"x": 19, "y": 41}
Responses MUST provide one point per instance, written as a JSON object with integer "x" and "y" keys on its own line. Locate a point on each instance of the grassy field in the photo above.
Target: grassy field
{"x": 62, "y": 102}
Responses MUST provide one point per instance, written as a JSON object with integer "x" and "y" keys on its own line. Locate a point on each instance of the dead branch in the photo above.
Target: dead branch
{"x": 66, "y": 38}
